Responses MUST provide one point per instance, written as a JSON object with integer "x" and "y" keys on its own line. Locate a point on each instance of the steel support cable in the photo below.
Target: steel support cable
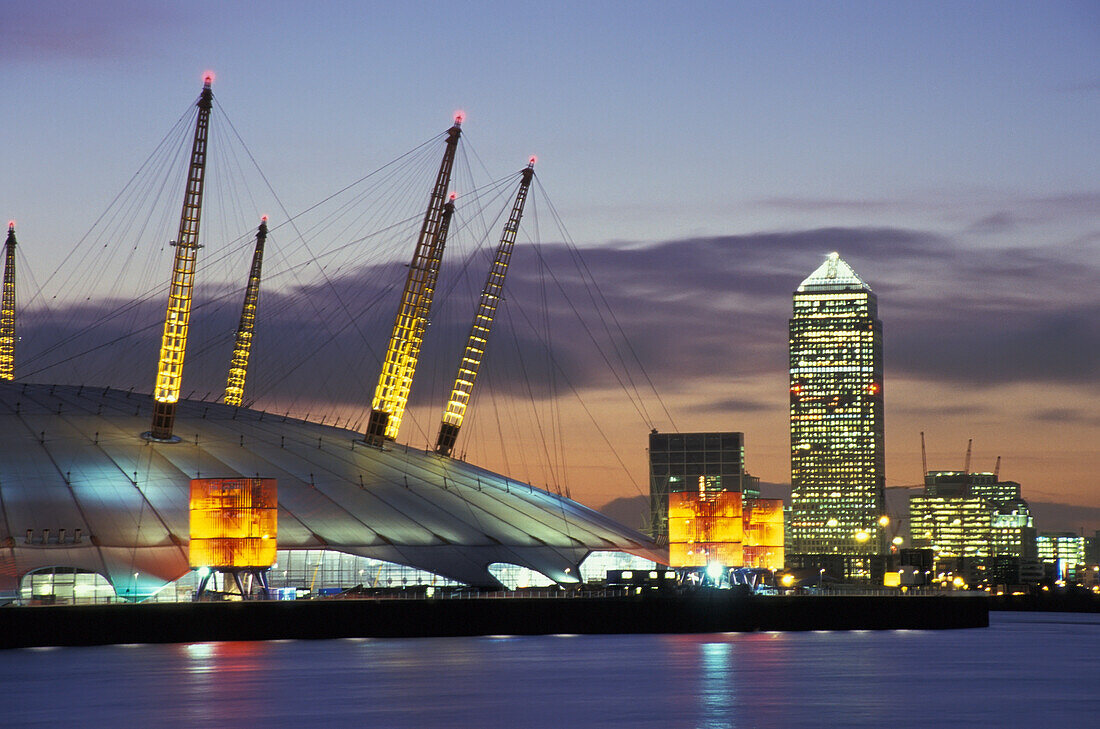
{"x": 305, "y": 244}
{"x": 113, "y": 213}
{"x": 534, "y": 408}
{"x": 591, "y": 336}
{"x": 130, "y": 306}
{"x": 551, "y": 391}
{"x": 548, "y": 343}
{"x": 580, "y": 400}
{"x": 632, "y": 391}
{"x": 559, "y": 477}
{"x": 134, "y": 304}
{"x": 144, "y": 207}
{"x": 93, "y": 273}
{"x": 350, "y": 321}
{"x": 575, "y": 251}
{"x": 181, "y": 123}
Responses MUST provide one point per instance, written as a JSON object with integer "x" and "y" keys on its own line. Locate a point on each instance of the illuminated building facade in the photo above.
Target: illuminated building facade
{"x": 705, "y": 527}
{"x": 952, "y": 526}
{"x": 969, "y": 515}
{"x": 837, "y": 454}
{"x": 233, "y": 522}
{"x": 1066, "y": 548}
{"x": 1012, "y": 531}
{"x": 691, "y": 462}
{"x": 763, "y": 533}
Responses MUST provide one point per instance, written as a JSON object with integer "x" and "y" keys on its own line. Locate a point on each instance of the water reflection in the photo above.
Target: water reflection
{"x": 717, "y": 687}
{"x": 636, "y": 681}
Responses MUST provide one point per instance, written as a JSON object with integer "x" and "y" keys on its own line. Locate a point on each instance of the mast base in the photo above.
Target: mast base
{"x": 376, "y": 428}
{"x": 448, "y": 434}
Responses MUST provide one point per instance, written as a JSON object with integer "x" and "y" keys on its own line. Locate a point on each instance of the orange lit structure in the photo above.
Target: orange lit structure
{"x": 763, "y": 532}
{"x": 719, "y": 526}
{"x": 704, "y": 527}
{"x": 233, "y": 523}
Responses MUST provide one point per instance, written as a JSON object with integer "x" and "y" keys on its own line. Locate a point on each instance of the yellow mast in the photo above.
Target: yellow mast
{"x": 7, "y": 309}
{"x": 483, "y": 322}
{"x": 178, "y": 316}
{"x": 399, "y": 365}
{"x": 238, "y": 368}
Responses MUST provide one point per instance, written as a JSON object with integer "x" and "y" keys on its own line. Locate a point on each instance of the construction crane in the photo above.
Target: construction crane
{"x": 403, "y": 352}
{"x": 923, "y": 457}
{"x": 177, "y": 318}
{"x": 483, "y": 321}
{"x": 238, "y": 368}
{"x": 7, "y": 309}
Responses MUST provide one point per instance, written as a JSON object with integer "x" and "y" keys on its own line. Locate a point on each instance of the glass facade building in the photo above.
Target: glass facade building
{"x": 952, "y": 526}
{"x": 837, "y": 456}
{"x": 691, "y": 462}
{"x": 964, "y": 514}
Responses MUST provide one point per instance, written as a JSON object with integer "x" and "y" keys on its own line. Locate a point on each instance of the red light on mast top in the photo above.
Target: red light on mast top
{"x": 208, "y": 78}
{"x": 263, "y": 218}
{"x": 531, "y": 162}
{"x": 11, "y": 225}
{"x": 460, "y": 116}
{"x": 454, "y": 196}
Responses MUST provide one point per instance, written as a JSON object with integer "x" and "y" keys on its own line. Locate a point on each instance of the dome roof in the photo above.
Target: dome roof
{"x": 80, "y": 487}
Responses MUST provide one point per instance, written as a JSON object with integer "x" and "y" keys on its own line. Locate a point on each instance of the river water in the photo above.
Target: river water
{"x": 1026, "y": 669}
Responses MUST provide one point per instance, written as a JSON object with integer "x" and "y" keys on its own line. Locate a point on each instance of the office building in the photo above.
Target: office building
{"x": 1064, "y": 550}
{"x": 691, "y": 462}
{"x": 963, "y": 514}
{"x": 707, "y": 507}
{"x": 951, "y": 526}
{"x": 837, "y": 457}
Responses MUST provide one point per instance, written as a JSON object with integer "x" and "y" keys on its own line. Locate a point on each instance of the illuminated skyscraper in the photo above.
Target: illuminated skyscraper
{"x": 838, "y": 479}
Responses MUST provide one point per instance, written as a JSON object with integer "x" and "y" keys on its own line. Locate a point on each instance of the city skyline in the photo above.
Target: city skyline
{"x": 956, "y": 184}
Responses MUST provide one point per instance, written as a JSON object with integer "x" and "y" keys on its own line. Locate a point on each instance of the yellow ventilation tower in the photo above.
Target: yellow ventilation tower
{"x": 238, "y": 368}
{"x": 483, "y": 322}
{"x": 399, "y": 365}
{"x": 7, "y": 309}
{"x": 173, "y": 345}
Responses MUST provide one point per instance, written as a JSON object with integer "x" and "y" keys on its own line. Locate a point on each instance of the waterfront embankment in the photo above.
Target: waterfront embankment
{"x": 703, "y": 612}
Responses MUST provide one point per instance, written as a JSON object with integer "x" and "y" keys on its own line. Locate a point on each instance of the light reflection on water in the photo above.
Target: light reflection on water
{"x": 1026, "y": 669}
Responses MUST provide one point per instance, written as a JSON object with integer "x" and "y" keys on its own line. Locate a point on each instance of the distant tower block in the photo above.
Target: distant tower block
{"x": 234, "y": 527}
{"x": 7, "y": 309}
{"x": 483, "y": 322}
{"x": 403, "y": 352}
{"x": 238, "y": 368}
{"x": 178, "y": 316}
{"x": 836, "y": 410}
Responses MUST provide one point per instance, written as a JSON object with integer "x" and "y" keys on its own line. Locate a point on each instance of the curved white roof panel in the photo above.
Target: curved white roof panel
{"x": 80, "y": 487}
{"x": 834, "y": 273}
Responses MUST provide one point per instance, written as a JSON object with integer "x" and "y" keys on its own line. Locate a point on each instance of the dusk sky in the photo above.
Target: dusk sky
{"x": 705, "y": 158}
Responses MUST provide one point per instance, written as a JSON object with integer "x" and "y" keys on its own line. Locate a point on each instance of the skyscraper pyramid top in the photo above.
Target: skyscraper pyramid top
{"x": 834, "y": 273}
